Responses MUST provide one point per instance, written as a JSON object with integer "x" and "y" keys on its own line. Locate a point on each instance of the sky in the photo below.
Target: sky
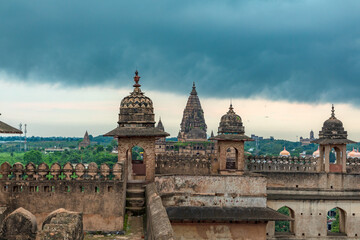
{"x": 66, "y": 65}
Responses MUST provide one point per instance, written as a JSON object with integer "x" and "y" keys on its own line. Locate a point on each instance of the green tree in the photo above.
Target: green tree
{"x": 109, "y": 148}
{"x": 283, "y": 226}
{"x": 335, "y": 226}
{"x": 33, "y": 156}
{"x": 99, "y": 148}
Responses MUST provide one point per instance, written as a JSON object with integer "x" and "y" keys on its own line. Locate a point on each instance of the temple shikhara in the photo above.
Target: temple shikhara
{"x": 193, "y": 126}
{"x": 199, "y": 187}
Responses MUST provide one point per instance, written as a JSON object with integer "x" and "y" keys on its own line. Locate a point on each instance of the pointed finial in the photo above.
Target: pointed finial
{"x": 193, "y": 92}
{"x": 136, "y": 79}
{"x": 332, "y": 111}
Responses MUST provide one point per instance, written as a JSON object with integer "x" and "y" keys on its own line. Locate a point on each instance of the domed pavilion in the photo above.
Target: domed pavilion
{"x": 332, "y": 136}
{"x": 136, "y": 127}
{"x": 231, "y": 134}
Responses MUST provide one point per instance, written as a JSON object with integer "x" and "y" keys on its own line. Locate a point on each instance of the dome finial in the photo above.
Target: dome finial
{"x": 136, "y": 79}
{"x": 332, "y": 111}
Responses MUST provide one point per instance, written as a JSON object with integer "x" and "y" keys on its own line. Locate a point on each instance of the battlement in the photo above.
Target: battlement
{"x": 177, "y": 163}
{"x": 68, "y": 172}
{"x": 283, "y": 164}
{"x": 96, "y": 191}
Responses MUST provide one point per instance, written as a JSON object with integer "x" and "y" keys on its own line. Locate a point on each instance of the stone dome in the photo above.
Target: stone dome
{"x": 231, "y": 123}
{"x": 284, "y": 153}
{"x": 352, "y": 154}
{"x": 136, "y": 110}
{"x": 316, "y": 153}
{"x": 332, "y": 128}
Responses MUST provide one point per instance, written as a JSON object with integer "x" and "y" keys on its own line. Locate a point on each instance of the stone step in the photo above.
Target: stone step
{"x": 136, "y": 210}
{"x": 135, "y": 193}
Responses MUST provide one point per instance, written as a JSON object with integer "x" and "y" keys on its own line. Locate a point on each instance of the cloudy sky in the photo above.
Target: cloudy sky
{"x": 66, "y": 65}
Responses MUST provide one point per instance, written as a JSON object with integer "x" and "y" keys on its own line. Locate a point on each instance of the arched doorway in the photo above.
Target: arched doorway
{"x": 335, "y": 222}
{"x": 231, "y": 158}
{"x": 285, "y": 227}
{"x": 138, "y": 163}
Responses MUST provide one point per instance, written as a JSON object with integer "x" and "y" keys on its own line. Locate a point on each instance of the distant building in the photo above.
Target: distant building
{"x": 307, "y": 141}
{"x": 85, "y": 142}
{"x": 55, "y": 149}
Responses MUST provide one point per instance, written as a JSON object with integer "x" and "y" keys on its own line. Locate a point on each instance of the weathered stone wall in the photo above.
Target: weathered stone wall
{"x": 238, "y": 231}
{"x": 158, "y": 224}
{"x": 311, "y": 217}
{"x": 310, "y": 196}
{"x": 98, "y": 193}
{"x": 247, "y": 190}
{"x": 175, "y": 163}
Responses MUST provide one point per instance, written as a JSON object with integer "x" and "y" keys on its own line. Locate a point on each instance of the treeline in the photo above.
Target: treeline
{"x": 98, "y": 154}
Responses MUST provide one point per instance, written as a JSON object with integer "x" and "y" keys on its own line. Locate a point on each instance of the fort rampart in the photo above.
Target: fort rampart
{"x": 97, "y": 192}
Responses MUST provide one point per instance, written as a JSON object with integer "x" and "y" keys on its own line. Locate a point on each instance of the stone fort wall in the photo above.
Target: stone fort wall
{"x": 99, "y": 193}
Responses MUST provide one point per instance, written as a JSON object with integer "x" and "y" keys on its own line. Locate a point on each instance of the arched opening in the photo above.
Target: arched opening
{"x": 231, "y": 158}
{"x": 285, "y": 227}
{"x": 336, "y": 222}
{"x": 138, "y": 162}
{"x": 335, "y": 157}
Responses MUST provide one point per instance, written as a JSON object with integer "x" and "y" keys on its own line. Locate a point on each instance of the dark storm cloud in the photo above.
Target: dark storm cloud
{"x": 293, "y": 50}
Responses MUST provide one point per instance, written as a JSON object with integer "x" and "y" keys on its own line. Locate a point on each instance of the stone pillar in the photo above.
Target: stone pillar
{"x": 327, "y": 158}
{"x": 343, "y": 158}
{"x": 240, "y": 156}
{"x": 150, "y": 160}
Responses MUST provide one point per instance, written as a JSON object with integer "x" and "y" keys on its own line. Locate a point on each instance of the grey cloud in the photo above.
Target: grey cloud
{"x": 294, "y": 50}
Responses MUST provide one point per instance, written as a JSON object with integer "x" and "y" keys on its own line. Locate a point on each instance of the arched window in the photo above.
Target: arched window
{"x": 336, "y": 222}
{"x": 138, "y": 161}
{"x": 231, "y": 158}
{"x": 285, "y": 227}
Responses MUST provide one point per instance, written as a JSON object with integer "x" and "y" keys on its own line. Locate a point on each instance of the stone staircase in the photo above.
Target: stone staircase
{"x": 135, "y": 197}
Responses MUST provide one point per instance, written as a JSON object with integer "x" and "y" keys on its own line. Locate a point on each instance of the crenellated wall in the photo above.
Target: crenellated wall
{"x": 280, "y": 164}
{"x": 97, "y": 192}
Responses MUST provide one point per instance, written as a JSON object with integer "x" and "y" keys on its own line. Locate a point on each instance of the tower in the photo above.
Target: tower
{"x": 85, "y": 142}
{"x": 332, "y": 136}
{"x": 136, "y": 127}
{"x": 193, "y": 126}
{"x": 230, "y": 143}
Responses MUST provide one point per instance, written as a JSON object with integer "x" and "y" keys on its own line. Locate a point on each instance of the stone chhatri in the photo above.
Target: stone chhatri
{"x": 193, "y": 126}
{"x": 231, "y": 127}
{"x": 136, "y": 117}
{"x": 332, "y": 131}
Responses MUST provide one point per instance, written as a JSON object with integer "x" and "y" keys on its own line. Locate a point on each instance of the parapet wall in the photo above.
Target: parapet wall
{"x": 247, "y": 190}
{"x": 158, "y": 225}
{"x": 175, "y": 163}
{"x": 280, "y": 164}
{"x": 99, "y": 193}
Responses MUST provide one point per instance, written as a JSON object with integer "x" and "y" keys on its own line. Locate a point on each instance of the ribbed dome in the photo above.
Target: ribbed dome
{"x": 332, "y": 128}
{"x": 284, "y": 153}
{"x": 231, "y": 123}
{"x": 136, "y": 110}
{"x": 135, "y": 100}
